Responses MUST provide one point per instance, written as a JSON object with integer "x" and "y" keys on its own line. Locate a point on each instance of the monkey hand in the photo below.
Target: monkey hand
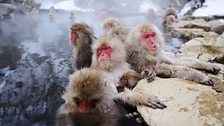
{"x": 155, "y": 103}
{"x": 207, "y": 81}
{"x": 214, "y": 69}
{"x": 123, "y": 81}
{"x": 140, "y": 97}
{"x": 149, "y": 74}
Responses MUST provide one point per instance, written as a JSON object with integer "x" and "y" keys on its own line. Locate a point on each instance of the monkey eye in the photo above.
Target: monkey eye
{"x": 145, "y": 35}
{"x": 76, "y": 100}
{"x": 152, "y": 34}
{"x": 95, "y": 101}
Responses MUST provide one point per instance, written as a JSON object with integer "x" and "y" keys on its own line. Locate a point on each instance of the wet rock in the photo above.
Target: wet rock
{"x": 188, "y": 103}
{"x": 217, "y": 26}
{"x": 32, "y": 93}
{"x": 209, "y": 48}
{"x": 6, "y": 9}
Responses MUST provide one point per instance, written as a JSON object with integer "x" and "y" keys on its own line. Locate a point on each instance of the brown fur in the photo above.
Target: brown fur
{"x": 118, "y": 68}
{"x": 82, "y": 49}
{"x": 137, "y": 51}
{"x": 171, "y": 11}
{"x": 170, "y": 16}
{"x": 114, "y": 28}
{"x": 88, "y": 84}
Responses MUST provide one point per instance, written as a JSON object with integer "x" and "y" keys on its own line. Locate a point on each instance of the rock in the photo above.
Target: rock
{"x": 188, "y": 103}
{"x": 190, "y": 17}
{"x": 6, "y": 9}
{"x": 209, "y": 48}
{"x": 189, "y": 34}
{"x": 217, "y": 26}
{"x": 27, "y": 6}
{"x": 34, "y": 11}
{"x": 192, "y": 29}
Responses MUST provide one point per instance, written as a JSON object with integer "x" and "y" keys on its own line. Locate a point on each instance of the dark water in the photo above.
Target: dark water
{"x": 36, "y": 59}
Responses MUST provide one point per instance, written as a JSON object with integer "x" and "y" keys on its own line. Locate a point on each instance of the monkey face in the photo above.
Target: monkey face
{"x": 86, "y": 105}
{"x": 103, "y": 54}
{"x": 74, "y": 36}
{"x": 149, "y": 39}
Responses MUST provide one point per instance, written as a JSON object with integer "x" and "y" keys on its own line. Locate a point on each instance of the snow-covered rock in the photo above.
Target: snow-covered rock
{"x": 210, "y": 7}
{"x": 188, "y": 104}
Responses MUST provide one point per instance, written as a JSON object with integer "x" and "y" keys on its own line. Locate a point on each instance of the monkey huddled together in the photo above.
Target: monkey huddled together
{"x": 119, "y": 59}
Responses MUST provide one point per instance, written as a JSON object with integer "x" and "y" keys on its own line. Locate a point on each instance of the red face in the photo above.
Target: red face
{"x": 84, "y": 106}
{"x": 149, "y": 38}
{"x": 103, "y": 53}
{"x": 73, "y": 38}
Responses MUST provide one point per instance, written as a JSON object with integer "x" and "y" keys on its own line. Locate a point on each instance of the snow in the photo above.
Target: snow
{"x": 211, "y": 7}
{"x": 143, "y": 8}
{"x": 67, "y": 5}
{"x": 186, "y": 8}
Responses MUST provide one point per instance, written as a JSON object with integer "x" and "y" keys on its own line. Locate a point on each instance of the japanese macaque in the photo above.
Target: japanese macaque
{"x": 170, "y": 16}
{"x": 51, "y": 11}
{"x": 82, "y": 37}
{"x": 72, "y": 15}
{"x": 114, "y": 28}
{"x": 151, "y": 15}
{"x": 90, "y": 101}
{"x": 109, "y": 56}
{"x": 145, "y": 51}
{"x": 51, "y": 14}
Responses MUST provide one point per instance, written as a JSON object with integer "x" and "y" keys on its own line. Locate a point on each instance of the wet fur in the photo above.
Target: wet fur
{"x": 90, "y": 83}
{"x": 82, "y": 49}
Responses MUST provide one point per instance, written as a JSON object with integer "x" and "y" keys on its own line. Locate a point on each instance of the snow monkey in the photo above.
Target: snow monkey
{"x": 170, "y": 16}
{"x": 82, "y": 37}
{"x": 145, "y": 45}
{"x": 114, "y": 28}
{"x": 109, "y": 56}
{"x": 89, "y": 101}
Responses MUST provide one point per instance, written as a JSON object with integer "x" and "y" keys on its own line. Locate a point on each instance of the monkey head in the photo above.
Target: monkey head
{"x": 146, "y": 36}
{"x": 108, "y": 53}
{"x": 79, "y": 30}
{"x": 171, "y": 11}
{"x": 110, "y": 23}
{"x": 84, "y": 90}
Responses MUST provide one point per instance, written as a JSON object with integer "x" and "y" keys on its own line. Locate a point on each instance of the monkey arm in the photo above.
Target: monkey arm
{"x": 188, "y": 62}
{"x": 130, "y": 79}
{"x": 182, "y": 72}
{"x": 165, "y": 58}
{"x": 140, "y": 97}
{"x": 197, "y": 64}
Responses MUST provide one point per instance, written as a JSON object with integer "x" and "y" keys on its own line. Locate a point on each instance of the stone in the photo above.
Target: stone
{"x": 209, "y": 48}
{"x": 196, "y": 28}
{"x": 217, "y": 26}
{"x": 188, "y": 103}
{"x": 6, "y": 9}
{"x": 188, "y": 34}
